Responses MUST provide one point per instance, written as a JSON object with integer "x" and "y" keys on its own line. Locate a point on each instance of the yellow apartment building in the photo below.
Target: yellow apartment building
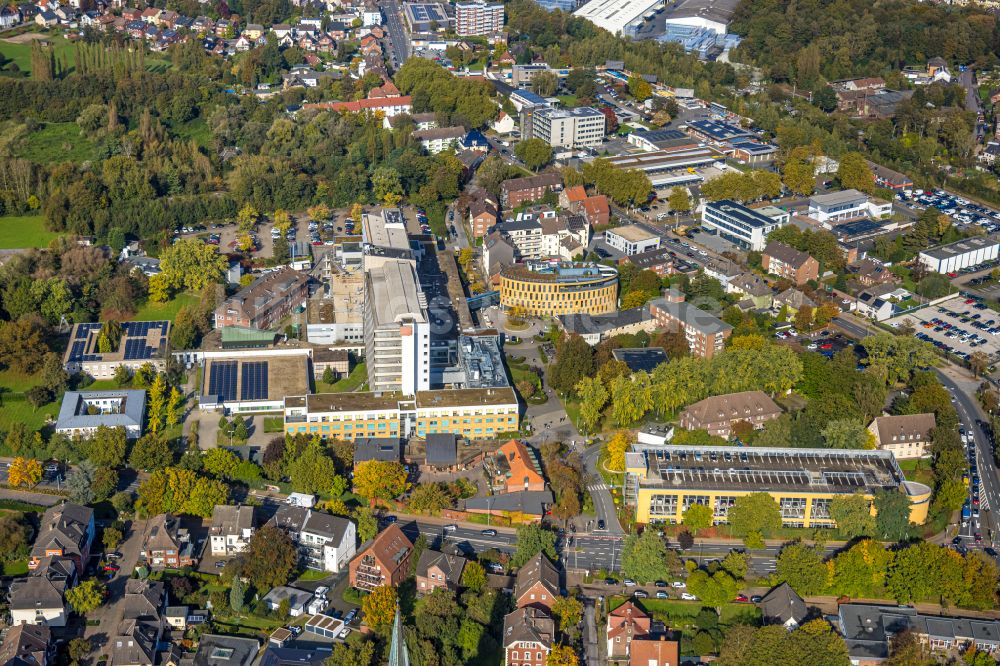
{"x": 559, "y": 288}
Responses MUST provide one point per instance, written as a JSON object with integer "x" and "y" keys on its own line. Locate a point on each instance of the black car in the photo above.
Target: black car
{"x": 989, "y": 551}
{"x": 957, "y": 540}
{"x": 600, "y": 524}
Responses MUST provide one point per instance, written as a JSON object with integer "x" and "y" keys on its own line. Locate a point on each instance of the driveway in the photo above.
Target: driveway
{"x": 111, "y": 613}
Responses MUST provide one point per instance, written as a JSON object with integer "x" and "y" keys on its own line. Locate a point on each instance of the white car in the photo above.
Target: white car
{"x": 678, "y": 585}
{"x": 687, "y": 596}
{"x": 629, "y": 582}
{"x": 345, "y": 633}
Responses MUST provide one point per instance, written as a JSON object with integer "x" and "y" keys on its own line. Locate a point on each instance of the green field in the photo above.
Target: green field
{"x": 56, "y": 142}
{"x": 14, "y": 410}
{"x": 65, "y": 51}
{"x": 352, "y": 382}
{"x": 156, "y": 311}
{"x": 24, "y": 231}
{"x": 196, "y": 130}
{"x": 15, "y": 568}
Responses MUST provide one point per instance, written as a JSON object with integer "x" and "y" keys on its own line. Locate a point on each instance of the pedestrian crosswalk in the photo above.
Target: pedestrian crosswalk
{"x": 599, "y": 486}
{"x": 984, "y": 500}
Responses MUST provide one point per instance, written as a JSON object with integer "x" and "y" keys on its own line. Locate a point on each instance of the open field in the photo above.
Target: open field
{"x": 24, "y": 231}
{"x": 56, "y": 142}
{"x": 156, "y": 311}
{"x": 14, "y": 410}
{"x": 18, "y": 49}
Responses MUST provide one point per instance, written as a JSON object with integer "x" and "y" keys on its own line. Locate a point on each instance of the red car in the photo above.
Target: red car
{"x": 970, "y": 301}
{"x": 742, "y": 599}
{"x": 826, "y": 345}
{"x": 111, "y": 567}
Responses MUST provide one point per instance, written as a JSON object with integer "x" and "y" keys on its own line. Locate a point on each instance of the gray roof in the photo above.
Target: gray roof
{"x": 216, "y": 650}
{"x": 387, "y": 449}
{"x": 960, "y": 247}
{"x": 529, "y": 625}
{"x": 41, "y": 592}
{"x": 539, "y": 569}
{"x": 301, "y": 519}
{"x": 526, "y": 501}
{"x": 73, "y": 412}
{"x": 25, "y": 645}
{"x": 693, "y": 317}
{"x": 231, "y": 519}
{"x": 783, "y": 604}
{"x": 442, "y": 449}
{"x": 451, "y": 565}
{"x": 66, "y": 527}
{"x": 295, "y": 596}
{"x": 275, "y": 656}
{"x": 581, "y": 323}
{"x": 786, "y": 254}
{"x": 143, "y": 599}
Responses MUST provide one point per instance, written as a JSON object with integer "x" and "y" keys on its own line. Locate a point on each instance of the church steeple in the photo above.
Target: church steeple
{"x": 398, "y": 654}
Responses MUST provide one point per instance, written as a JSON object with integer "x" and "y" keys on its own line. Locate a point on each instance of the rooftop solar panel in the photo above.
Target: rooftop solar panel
{"x": 222, "y": 380}
{"x": 253, "y": 383}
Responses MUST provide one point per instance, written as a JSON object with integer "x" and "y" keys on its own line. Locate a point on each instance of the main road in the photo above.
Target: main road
{"x": 400, "y": 50}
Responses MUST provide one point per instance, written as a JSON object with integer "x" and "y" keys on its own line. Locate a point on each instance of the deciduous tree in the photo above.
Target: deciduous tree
{"x": 269, "y": 559}
{"x": 379, "y": 607}
{"x": 378, "y": 479}
{"x": 24, "y": 472}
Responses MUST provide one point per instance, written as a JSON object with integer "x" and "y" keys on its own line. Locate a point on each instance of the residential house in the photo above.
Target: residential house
{"x": 624, "y": 624}
{"x": 752, "y": 287}
{"x": 483, "y": 215}
{"x": 441, "y": 451}
{"x": 217, "y": 650}
{"x": 435, "y": 569}
{"x": 385, "y": 562}
{"x": 596, "y": 209}
{"x": 327, "y": 542}
{"x": 537, "y": 583}
{"x": 265, "y": 301}
{"x": 719, "y": 414}
{"x": 571, "y": 196}
{"x": 39, "y": 599}
{"x": 782, "y": 605}
{"x": 873, "y": 304}
{"x": 166, "y": 544}
{"x": 66, "y": 530}
{"x": 46, "y": 18}
{"x": 253, "y": 31}
{"x": 659, "y": 261}
{"x": 907, "y": 436}
{"x": 522, "y": 505}
{"x": 297, "y": 599}
{"x": 787, "y": 262}
{"x": 654, "y": 651}
{"x": 83, "y": 412}
{"x": 870, "y": 273}
{"x": 792, "y": 300}
{"x": 528, "y": 636}
{"x": 515, "y": 466}
{"x": 27, "y": 645}
{"x": 9, "y": 17}
{"x": 705, "y": 333}
{"x": 232, "y": 527}
{"x": 504, "y": 124}
{"x": 517, "y": 191}
{"x": 141, "y": 628}
{"x": 498, "y": 254}
{"x": 438, "y": 139}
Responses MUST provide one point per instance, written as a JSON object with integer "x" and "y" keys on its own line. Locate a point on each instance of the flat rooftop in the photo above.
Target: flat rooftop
{"x": 579, "y": 112}
{"x": 395, "y": 293}
{"x": 767, "y": 469}
{"x": 254, "y": 378}
{"x": 370, "y": 401}
{"x": 717, "y": 11}
{"x": 140, "y": 340}
{"x": 960, "y": 247}
{"x": 466, "y": 397}
{"x": 718, "y": 130}
{"x": 342, "y": 304}
{"x": 562, "y": 272}
{"x": 656, "y": 161}
{"x": 838, "y": 198}
{"x": 386, "y": 230}
{"x": 633, "y": 233}
{"x": 615, "y": 15}
{"x": 740, "y": 213}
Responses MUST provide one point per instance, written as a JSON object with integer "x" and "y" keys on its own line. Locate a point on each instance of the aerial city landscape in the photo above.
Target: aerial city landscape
{"x": 524, "y": 333}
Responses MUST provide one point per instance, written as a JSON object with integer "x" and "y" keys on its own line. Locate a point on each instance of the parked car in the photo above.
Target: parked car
{"x": 629, "y": 582}
{"x": 661, "y": 595}
{"x": 491, "y": 533}
{"x": 640, "y": 594}
{"x": 687, "y": 596}
{"x": 678, "y": 585}
{"x": 756, "y": 599}
{"x": 115, "y": 555}
{"x": 741, "y": 599}
{"x": 111, "y": 567}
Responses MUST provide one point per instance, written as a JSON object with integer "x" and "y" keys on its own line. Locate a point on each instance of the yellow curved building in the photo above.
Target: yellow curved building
{"x": 559, "y": 288}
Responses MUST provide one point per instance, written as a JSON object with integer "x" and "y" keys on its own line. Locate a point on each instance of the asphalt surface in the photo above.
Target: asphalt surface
{"x": 399, "y": 42}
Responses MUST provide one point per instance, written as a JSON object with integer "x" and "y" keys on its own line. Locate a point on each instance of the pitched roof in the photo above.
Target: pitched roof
{"x": 231, "y": 519}
{"x": 907, "y": 427}
{"x": 301, "y": 519}
{"x": 528, "y": 502}
{"x": 654, "y": 651}
{"x": 783, "y": 604}
{"x": 529, "y": 625}
{"x": 386, "y": 449}
{"x": 537, "y": 570}
{"x": 216, "y": 650}
{"x": 521, "y": 461}
{"x": 732, "y": 406}
{"x": 25, "y": 645}
{"x": 64, "y": 526}
{"x": 551, "y": 179}
{"x": 296, "y": 598}
{"x": 390, "y": 547}
{"x": 596, "y": 205}
{"x": 442, "y": 449}
{"x": 37, "y": 592}
{"x": 575, "y": 193}
{"x": 786, "y": 254}
{"x": 161, "y": 533}
{"x": 143, "y": 599}
{"x": 451, "y": 566}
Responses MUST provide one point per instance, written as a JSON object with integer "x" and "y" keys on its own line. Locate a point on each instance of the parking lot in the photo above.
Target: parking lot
{"x": 962, "y": 212}
{"x": 959, "y": 326}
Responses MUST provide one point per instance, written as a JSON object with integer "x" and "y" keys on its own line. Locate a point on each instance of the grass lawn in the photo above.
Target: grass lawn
{"x": 358, "y": 376}
{"x": 274, "y": 424}
{"x": 15, "y": 568}
{"x": 916, "y": 469}
{"x": 24, "y": 231}
{"x": 313, "y": 575}
{"x": 197, "y": 130}
{"x": 155, "y": 311}
{"x": 64, "y": 50}
{"x": 56, "y": 142}
{"x": 103, "y": 385}
{"x": 14, "y": 410}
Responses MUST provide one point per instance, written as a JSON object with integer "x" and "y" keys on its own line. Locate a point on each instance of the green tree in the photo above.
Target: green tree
{"x": 756, "y": 512}
{"x": 191, "y": 264}
{"x": 111, "y": 538}
{"x": 593, "y": 397}
{"x": 106, "y": 447}
{"x": 221, "y": 462}
{"x": 801, "y": 566}
{"x": 544, "y": 83}
{"x": 535, "y": 153}
{"x": 474, "y": 576}
{"x": 569, "y": 612}
{"x": 646, "y": 557}
{"x": 892, "y": 514}
{"x": 531, "y": 540}
{"x": 853, "y": 515}
{"x": 679, "y": 201}
{"x": 698, "y": 517}
{"x": 799, "y": 177}
{"x": 85, "y": 597}
{"x": 470, "y": 635}
{"x": 639, "y": 88}
{"x": 314, "y": 471}
{"x": 845, "y": 434}
{"x": 714, "y": 590}
{"x": 269, "y": 559}
{"x": 150, "y": 452}
{"x": 367, "y": 524}
{"x": 854, "y": 173}
{"x": 237, "y": 594}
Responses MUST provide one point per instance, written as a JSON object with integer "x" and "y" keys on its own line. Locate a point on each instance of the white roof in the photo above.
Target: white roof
{"x": 614, "y": 15}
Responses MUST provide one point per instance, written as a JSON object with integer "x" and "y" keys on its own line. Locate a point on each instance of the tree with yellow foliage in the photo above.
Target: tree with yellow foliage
{"x": 282, "y": 220}
{"x": 379, "y": 479}
{"x": 356, "y": 213}
{"x": 615, "y": 449}
{"x": 379, "y": 607}
{"x": 24, "y": 472}
{"x": 563, "y": 655}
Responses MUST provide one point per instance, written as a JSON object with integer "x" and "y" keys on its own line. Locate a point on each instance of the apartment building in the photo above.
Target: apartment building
{"x": 436, "y": 139}
{"x": 661, "y": 483}
{"x": 632, "y": 239}
{"x": 787, "y": 262}
{"x": 231, "y": 529}
{"x": 625, "y": 624}
{"x": 559, "y": 288}
{"x": 659, "y": 261}
{"x": 525, "y": 234}
{"x": 397, "y": 329}
{"x": 385, "y": 562}
{"x": 580, "y": 127}
{"x": 265, "y": 301}
{"x": 65, "y": 530}
{"x": 326, "y": 542}
{"x": 744, "y": 226}
{"x": 483, "y": 216}
{"x": 83, "y": 412}
{"x": 478, "y": 18}
{"x": 718, "y": 414}
{"x": 517, "y": 191}
{"x": 906, "y": 436}
{"x": 705, "y": 333}
{"x": 471, "y": 413}
{"x": 98, "y": 349}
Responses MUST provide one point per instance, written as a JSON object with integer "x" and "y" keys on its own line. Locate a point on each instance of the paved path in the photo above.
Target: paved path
{"x": 110, "y": 614}
{"x": 41, "y": 499}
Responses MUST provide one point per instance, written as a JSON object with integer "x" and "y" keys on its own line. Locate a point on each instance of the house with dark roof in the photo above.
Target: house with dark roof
{"x": 718, "y": 414}
{"x": 442, "y": 451}
{"x": 326, "y": 542}
{"x": 27, "y": 645}
{"x": 638, "y": 359}
{"x": 522, "y": 504}
{"x": 385, "y": 562}
{"x": 39, "y": 599}
{"x": 787, "y": 262}
{"x": 528, "y": 636}
{"x": 66, "y": 530}
{"x": 385, "y": 449}
{"x": 288, "y": 656}
{"x": 782, "y": 605}
{"x": 166, "y": 544}
{"x": 265, "y": 301}
{"x": 537, "y": 583}
{"x": 907, "y": 435}
{"x": 297, "y": 599}
{"x": 231, "y": 529}
{"x": 435, "y": 569}
{"x": 706, "y": 334}
{"x": 517, "y": 191}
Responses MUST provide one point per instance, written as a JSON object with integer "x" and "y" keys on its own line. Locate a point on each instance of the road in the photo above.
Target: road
{"x": 399, "y": 49}
{"x": 111, "y": 613}
{"x": 968, "y": 81}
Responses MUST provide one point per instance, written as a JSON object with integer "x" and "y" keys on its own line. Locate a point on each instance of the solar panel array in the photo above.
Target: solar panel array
{"x": 141, "y": 328}
{"x": 222, "y": 380}
{"x": 253, "y": 383}
{"x": 133, "y": 335}
{"x": 136, "y": 349}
